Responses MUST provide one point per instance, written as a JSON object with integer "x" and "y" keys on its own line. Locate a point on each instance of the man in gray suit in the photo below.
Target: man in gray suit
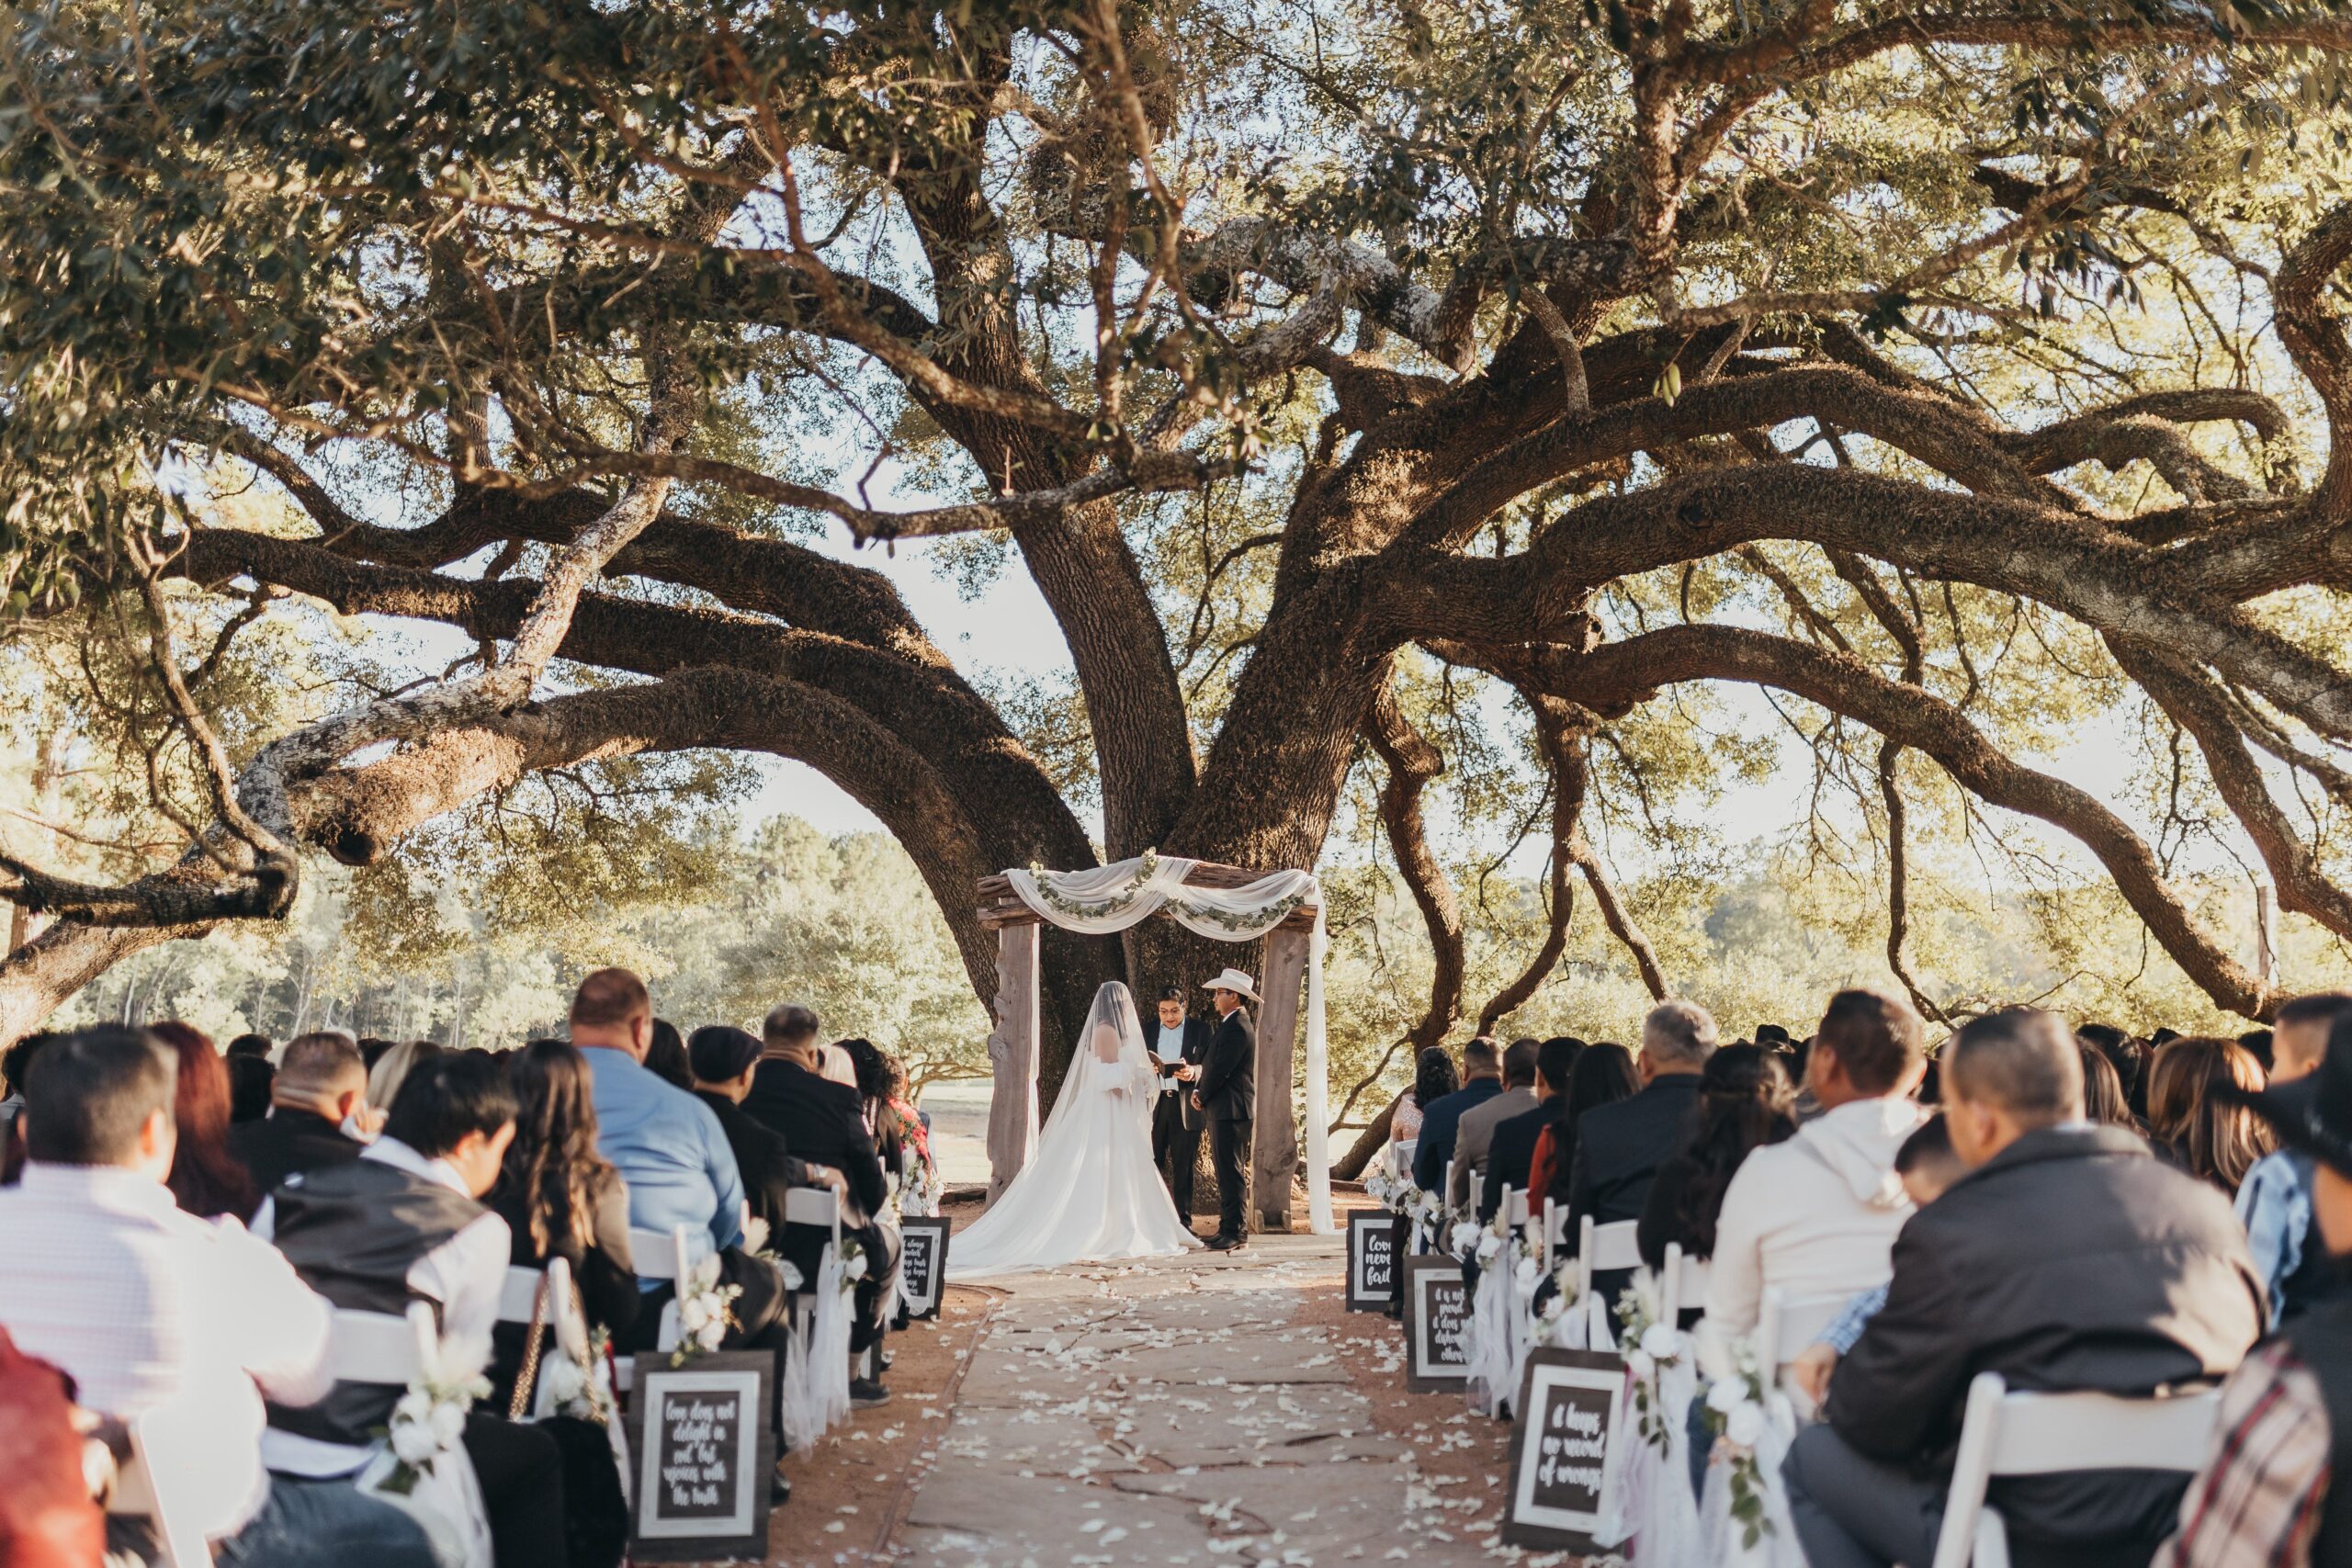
{"x": 1476, "y": 1132}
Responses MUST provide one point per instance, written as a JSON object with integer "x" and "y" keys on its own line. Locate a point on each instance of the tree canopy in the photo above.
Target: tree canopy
{"x": 1961, "y": 374}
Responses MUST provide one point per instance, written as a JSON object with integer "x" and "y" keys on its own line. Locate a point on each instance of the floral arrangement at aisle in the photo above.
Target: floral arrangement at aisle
{"x": 582, "y": 1391}
{"x": 923, "y": 1192}
{"x": 1744, "y": 1511}
{"x": 426, "y": 1425}
{"x": 1654, "y": 1493}
{"x": 705, "y": 1311}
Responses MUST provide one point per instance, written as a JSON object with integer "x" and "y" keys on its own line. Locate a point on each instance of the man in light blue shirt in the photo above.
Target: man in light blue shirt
{"x": 666, "y": 1144}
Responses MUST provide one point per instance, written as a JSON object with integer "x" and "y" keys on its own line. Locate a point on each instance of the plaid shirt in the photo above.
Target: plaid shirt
{"x": 2257, "y": 1503}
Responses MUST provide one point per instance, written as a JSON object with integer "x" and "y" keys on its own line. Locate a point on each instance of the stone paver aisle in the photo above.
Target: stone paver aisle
{"x": 1174, "y": 1412}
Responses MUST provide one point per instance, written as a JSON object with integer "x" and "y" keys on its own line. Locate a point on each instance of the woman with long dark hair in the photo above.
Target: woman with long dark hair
{"x": 207, "y": 1180}
{"x": 1746, "y": 1101}
{"x": 1433, "y": 1078}
{"x": 2194, "y": 1127}
{"x": 1603, "y": 1075}
{"x": 560, "y": 1198}
{"x": 874, "y": 1086}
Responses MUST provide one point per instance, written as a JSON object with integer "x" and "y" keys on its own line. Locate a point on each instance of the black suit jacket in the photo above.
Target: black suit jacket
{"x": 1510, "y": 1156}
{"x": 1228, "y": 1083}
{"x": 769, "y": 1168}
{"x": 1620, "y": 1147}
{"x": 287, "y": 1141}
{"x": 2070, "y": 1260}
{"x": 820, "y": 1122}
{"x": 1197, "y": 1035}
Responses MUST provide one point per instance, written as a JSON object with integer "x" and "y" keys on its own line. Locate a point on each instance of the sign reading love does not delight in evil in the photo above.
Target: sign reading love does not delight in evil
{"x": 705, "y": 1446}
{"x": 1437, "y": 1311}
{"x": 1371, "y": 1259}
{"x": 923, "y": 1264}
{"x": 1570, "y": 1404}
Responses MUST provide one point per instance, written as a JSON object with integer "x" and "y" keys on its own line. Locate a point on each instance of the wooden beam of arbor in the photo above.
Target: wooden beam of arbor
{"x": 1001, "y": 906}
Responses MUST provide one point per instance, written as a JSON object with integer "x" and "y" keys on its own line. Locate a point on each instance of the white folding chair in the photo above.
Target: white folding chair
{"x": 383, "y": 1347}
{"x": 1785, "y": 1327}
{"x": 1513, "y": 1209}
{"x": 1601, "y": 1248}
{"x": 1400, "y": 1157}
{"x": 2048, "y": 1434}
{"x": 1554, "y": 1237}
{"x": 818, "y": 1208}
{"x": 663, "y": 1255}
{"x": 518, "y": 1296}
{"x": 169, "y": 1479}
{"x": 1682, "y": 1284}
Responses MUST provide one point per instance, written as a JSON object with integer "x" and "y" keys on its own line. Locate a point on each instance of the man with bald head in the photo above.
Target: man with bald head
{"x": 316, "y": 1103}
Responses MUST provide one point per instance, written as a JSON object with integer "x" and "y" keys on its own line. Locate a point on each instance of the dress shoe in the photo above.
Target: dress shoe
{"x": 779, "y": 1488}
{"x": 866, "y": 1393}
{"x": 1227, "y": 1243}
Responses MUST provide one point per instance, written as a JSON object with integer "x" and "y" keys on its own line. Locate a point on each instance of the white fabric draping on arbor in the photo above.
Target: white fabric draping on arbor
{"x": 1113, "y": 898}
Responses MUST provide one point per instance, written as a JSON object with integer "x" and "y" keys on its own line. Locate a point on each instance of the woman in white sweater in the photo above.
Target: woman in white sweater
{"x": 1817, "y": 1216}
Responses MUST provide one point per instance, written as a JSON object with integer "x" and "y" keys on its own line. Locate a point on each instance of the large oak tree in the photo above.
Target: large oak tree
{"x": 1594, "y": 350}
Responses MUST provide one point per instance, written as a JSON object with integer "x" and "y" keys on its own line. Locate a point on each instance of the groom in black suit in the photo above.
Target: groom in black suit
{"x": 1227, "y": 1095}
{"x": 1179, "y": 1046}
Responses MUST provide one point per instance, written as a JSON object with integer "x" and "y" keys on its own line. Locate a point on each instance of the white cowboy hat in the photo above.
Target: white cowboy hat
{"x": 1234, "y": 980}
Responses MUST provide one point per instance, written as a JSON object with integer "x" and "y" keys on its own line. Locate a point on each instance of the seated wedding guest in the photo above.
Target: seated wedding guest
{"x": 665, "y": 1055}
{"x": 372, "y": 1051}
{"x": 16, "y": 1066}
{"x": 1510, "y": 1153}
{"x": 2193, "y": 1123}
{"x": 250, "y": 1078}
{"x": 2267, "y": 1496}
{"x": 824, "y": 1122}
{"x": 2068, "y": 1257}
{"x": 1474, "y": 1130}
{"x": 2104, "y": 1104}
{"x": 1817, "y": 1216}
{"x": 250, "y": 1045}
{"x": 1433, "y": 1079}
{"x": 1604, "y": 1074}
{"x": 1745, "y": 1100}
{"x": 723, "y": 1058}
{"x": 560, "y": 1198}
{"x": 403, "y": 1222}
{"x": 2127, "y": 1056}
{"x": 319, "y": 1091}
{"x": 48, "y": 1518}
{"x": 1619, "y": 1148}
{"x": 1928, "y": 1165}
{"x": 1482, "y": 1079}
{"x": 912, "y": 1123}
{"x": 142, "y": 1303}
{"x": 390, "y": 1066}
{"x": 205, "y": 1178}
{"x": 2258, "y": 1043}
{"x": 2274, "y": 1203}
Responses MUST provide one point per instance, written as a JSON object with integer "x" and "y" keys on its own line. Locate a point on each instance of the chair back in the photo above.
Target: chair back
{"x": 668, "y": 1255}
{"x": 518, "y": 1296}
{"x": 1400, "y": 1157}
{"x": 1682, "y": 1284}
{"x": 1601, "y": 1249}
{"x": 2048, "y": 1434}
{"x": 383, "y": 1347}
{"x": 566, "y": 1317}
{"x": 1554, "y": 1239}
{"x": 1785, "y": 1327}
{"x": 1514, "y": 1208}
{"x": 170, "y": 1478}
{"x": 818, "y": 1206}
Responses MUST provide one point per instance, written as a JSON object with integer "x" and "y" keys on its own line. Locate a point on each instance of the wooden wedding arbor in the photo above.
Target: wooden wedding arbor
{"x": 1012, "y": 1049}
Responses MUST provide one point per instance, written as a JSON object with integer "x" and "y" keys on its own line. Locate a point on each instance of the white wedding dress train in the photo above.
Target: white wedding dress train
{"x": 1091, "y": 1194}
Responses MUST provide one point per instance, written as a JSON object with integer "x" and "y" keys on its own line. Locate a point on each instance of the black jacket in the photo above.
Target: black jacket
{"x": 820, "y": 1122}
{"x": 1228, "y": 1084}
{"x": 2070, "y": 1260}
{"x": 287, "y": 1141}
{"x": 1511, "y": 1156}
{"x": 769, "y": 1168}
{"x": 1619, "y": 1148}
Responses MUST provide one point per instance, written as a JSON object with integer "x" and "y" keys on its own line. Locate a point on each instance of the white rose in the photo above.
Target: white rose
{"x": 693, "y": 1313}
{"x": 1527, "y": 1272}
{"x": 448, "y": 1424}
{"x": 1466, "y": 1236}
{"x": 856, "y": 1269}
{"x": 414, "y": 1405}
{"x": 1725, "y": 1395}
{"x": 1490, "y": 1247}
{"x": 1638, "y": 1362}
{"x": 1661, "y": 1341}
{"x": 565, "y": 1379}
{"x": 413, "y": 1444}
{"x": 792, "y": 1277}
{"x": 1744, "y": 1423}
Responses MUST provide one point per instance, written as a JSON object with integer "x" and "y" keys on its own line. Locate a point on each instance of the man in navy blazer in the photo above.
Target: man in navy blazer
{"x": 1482, "y": 1079}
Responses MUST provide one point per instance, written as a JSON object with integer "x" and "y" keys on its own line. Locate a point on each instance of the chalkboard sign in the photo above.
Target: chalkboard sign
{"x": 1371, "y": 1259}
{"x": 923, "y": 1264}
{"x": 705, "y": 1444}
{"x": 1572, "y": 1405}
{"x": 1437, "y": 1311}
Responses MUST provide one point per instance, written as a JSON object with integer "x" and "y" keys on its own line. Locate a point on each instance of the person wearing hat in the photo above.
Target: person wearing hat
{"x": 2265, "y": 1497}
{"x": 1226, "y": 1094}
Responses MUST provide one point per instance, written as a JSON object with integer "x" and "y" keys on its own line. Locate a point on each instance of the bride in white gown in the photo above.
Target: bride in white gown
{"x": 1091, "y": 1194}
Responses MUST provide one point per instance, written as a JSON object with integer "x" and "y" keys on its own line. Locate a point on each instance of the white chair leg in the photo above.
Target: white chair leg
{"x": 1991, "y": 1539}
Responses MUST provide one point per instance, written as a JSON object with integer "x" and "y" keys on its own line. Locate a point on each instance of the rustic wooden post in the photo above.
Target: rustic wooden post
{"x": 1013, "y": 1112}
{"x": 1276, "y": 1152}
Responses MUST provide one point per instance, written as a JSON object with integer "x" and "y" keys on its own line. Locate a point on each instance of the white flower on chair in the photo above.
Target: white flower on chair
{"x": 706, "y": 1311}
{"x": 427, "y": 1422}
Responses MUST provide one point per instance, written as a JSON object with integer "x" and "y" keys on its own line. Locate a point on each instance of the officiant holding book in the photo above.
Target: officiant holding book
{"x": 1180, "y": 1044}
